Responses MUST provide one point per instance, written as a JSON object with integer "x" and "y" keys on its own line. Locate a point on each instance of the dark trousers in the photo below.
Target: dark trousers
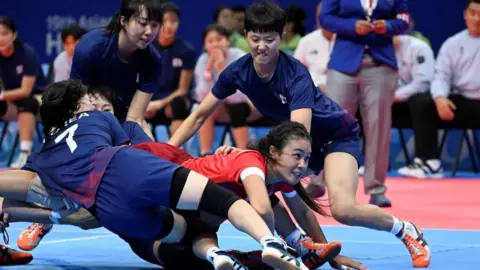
{"x": 426, "y": 121}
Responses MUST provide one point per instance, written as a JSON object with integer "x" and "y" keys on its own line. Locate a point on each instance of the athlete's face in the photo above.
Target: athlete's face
{"x": 472, "y": 18}
{"x": 7, "y": 37}
{"x": 170, "y": 25}
{"x": 292, "y": 160}
{"x": 264, "y": 47}
{"x": 100, "y": 103}
{"x": 213, "y": 40}
{"x": 140, "y": 30}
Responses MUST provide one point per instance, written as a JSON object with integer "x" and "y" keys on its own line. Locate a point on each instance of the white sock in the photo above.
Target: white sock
{"x": 266, "y": 239}
{"x": 26, "y": 146}
{"x": 293, "y": 237}
{"x": 397, "y": 226}
{"x": 211, "y": 253}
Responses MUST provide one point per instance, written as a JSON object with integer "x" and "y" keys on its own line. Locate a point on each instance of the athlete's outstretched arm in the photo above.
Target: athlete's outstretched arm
{"x": 302, "y": 116}
{"x": 20, "y": 211}
{"x": 306, "y": 218}
{"x": 137, "y": 109}
{"x": 258, "y": 197}
{"x": 195, "y": 120}
{"x": 14, "y": 184}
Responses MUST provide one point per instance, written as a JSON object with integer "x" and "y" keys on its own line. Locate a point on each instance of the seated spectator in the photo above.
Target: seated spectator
{"x": 416, "y": 67}
{"x": 239, "y": 19}
{"x": 454, "y": 98}
{"x": 172, "y": 103}
{"x": 223, "y": 16}
{"x": 21, "y": 76}
{"x": 313, "y": 50}
{"x": 237, "y": 108}
{"x": 63, "y": 62}
{"x": 294, "y": 29}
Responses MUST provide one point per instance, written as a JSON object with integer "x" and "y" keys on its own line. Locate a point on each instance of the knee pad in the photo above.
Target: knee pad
{"x": 180, "y": 108}
{"x": 3, "y": 108}
{"x": 238, "y": 114}
{"x": 143, "y": 248}
{"x": 274, "y": 200}
{"x": 209, "y": 201}
{"x": 168, "y": 222}
{"x": 212, "y": 195}
{"x": 30, "y": 105}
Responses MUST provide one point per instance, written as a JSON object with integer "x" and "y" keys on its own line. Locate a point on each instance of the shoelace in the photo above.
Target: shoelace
{"x": 3, "y": 230}
{"x": 308, "y": 242}
{"x": 412, "y": 248}
{"x": 33, "y": 228}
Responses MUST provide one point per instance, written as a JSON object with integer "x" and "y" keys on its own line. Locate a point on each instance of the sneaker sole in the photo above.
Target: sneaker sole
{"x": 331, "y": 251}
{"x": 278, "y": 263}
{"x": 225, "y": 266}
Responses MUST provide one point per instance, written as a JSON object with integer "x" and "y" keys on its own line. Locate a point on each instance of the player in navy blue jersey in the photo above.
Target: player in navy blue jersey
{"x": 21, "y": 78}
{"x": 129, "y": 191}
{"x": 121, "y": 57}
{"x": 171, "y": 104}
{"x": 281, "y": 88}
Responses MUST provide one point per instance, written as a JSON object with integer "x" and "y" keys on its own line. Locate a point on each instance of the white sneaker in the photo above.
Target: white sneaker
{"x": 275, "y": 255}
{"x": 423, "y": 169}
{"x": 21, "y": 160}
{"x": 223, "y": 261}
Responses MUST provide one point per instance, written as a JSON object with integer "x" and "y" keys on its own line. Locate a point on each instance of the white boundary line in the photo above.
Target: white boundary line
{"x": 68, "y": 240}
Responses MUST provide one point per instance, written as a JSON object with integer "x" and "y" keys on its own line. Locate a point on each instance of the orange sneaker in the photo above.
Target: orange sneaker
{"x": 31, "y": 237}
{"x": 10, "y": 256}
{"x": 413, "y": 239}
{"x": 319, "y": 253}
{"x": 315, "y": 254}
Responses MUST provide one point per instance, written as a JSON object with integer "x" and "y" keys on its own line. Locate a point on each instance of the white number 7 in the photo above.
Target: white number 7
{"x": 70, "y": 142}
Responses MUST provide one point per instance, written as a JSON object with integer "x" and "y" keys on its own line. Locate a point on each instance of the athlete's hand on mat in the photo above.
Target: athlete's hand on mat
{"x": 226, "y": 149}
{"x": 445, "y": 108}
{"x": 346, "y": 263}
{"x": 380, "y": 27}
{"x": 363, "y": 27}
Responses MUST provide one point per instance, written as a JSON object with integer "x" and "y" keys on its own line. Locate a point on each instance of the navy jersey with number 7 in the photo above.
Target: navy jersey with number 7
{"x": 76, "y": 156}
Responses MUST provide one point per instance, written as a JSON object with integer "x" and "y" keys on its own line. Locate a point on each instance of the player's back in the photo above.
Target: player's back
{"x": 227, "y": 170}
{"x": 74, "y": 157}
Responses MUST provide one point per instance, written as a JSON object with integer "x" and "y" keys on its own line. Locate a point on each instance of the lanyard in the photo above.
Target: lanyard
{"x": 369, "y": 6}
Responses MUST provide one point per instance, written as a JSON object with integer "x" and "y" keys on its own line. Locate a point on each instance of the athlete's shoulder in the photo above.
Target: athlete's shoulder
{"x": 93, "y": 43}
{"x": 249, "y": 157}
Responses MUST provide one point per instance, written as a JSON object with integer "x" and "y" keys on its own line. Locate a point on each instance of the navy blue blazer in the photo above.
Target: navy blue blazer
{"x": 340, "y": 16}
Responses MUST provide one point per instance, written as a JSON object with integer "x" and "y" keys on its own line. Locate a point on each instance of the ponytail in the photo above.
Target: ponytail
{"x": 309, "y": 201}
{"x": 114, "y": 25}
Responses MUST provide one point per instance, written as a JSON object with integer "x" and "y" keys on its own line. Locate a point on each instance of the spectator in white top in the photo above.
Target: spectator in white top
{"x": 454, "y": 98}
{"x": 63, "y": 62}
{"x": 416, "y": 67}
{"x": 237, "y": 108}
{"x": 313, "y": 50}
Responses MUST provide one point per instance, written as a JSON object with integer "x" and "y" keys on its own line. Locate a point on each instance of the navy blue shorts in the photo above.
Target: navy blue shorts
{"x": 350, "y": 145}
{"x": 133, "y": 197}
